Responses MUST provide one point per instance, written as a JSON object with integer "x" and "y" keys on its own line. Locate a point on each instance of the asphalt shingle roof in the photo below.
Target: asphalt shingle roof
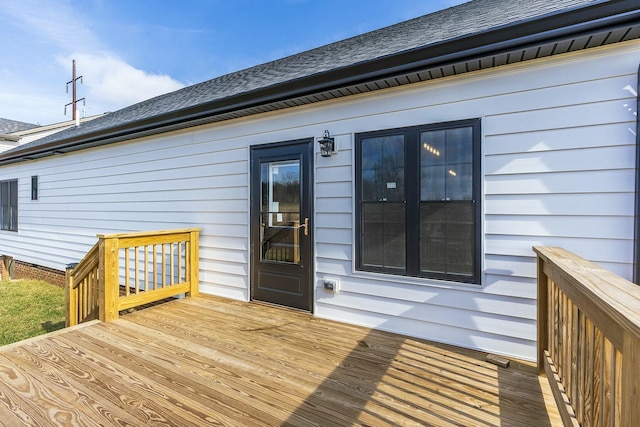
{"x": 459, "y": 21}
{"x": 10, "y": 126}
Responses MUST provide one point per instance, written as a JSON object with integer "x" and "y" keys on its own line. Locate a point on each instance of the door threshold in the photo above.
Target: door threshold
{"x": 285, "y": 307}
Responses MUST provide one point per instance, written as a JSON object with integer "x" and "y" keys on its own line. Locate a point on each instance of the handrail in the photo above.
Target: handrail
{"x": 126, "y": 270}
{"x": 588, "y": 339}
{"x": 82, "y": 289}
{"x": 86, "y": 265}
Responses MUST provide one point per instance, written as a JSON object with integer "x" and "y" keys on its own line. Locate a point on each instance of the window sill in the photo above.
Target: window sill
{"x": 416, "y": 281}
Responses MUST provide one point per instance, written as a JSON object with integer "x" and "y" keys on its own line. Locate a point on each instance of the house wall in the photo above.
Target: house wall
{"x": 558, "y": 169}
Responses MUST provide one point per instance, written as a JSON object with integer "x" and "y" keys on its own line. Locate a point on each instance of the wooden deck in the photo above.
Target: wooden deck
{"x": 208, "y": 361}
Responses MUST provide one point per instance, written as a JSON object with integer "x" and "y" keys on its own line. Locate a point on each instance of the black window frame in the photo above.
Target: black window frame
{"x": 34, "y": 187}
{"x": 9, "y": 205}
{"x": 412, "y": 201}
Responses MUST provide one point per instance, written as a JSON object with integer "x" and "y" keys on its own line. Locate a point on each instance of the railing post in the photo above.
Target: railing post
{"x": 109, "y": 278}
{"x": 543, "y": 314}
{"x": 630, "y": 381}
{"x": 71, "y": 294}
{"x": 194, "y": 268}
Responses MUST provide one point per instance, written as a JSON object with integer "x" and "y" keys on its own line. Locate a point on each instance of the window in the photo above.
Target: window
{"x": 9, "y": 204}
{"x": 418, "y": 192}
{"x": 34, "y": 187}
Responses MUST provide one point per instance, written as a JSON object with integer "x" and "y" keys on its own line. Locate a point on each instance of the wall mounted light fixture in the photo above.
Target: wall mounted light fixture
{"x": 327, "y": 144}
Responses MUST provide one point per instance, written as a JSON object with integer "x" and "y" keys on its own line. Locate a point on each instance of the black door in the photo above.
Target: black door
{"x": 281, "y": 208}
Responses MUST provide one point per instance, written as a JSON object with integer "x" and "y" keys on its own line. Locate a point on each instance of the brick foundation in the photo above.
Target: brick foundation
{"x": 15, "y": 269}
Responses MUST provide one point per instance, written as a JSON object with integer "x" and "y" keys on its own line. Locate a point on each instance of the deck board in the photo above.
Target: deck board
{"x": 211, "y": 361}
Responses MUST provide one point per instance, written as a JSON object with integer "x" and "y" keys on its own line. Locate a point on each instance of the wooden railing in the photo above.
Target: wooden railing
{"x": 82, "y": 289}
{"x": 128, "y": 270}
{"x": 589, "y": 340}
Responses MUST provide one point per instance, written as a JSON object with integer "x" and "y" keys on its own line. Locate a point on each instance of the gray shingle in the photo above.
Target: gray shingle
{"x": 10, "y": 126}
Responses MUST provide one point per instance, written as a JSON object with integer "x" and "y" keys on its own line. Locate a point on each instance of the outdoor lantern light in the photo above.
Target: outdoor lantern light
{"x": 327, "y": 144}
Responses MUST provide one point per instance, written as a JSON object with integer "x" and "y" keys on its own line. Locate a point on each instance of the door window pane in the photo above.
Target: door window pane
{"x": 280, "y": 212}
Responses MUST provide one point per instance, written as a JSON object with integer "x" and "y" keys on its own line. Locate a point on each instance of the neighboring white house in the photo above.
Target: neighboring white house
{"x": 8, "y": 128}
{"x": 462, "y": 139}
{"x": 14, "y": 133}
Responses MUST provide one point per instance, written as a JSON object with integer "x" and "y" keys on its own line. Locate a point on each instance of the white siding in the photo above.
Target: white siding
{"x": 32, "y": 136}
{"x": 7, "y": 145}
{"x": 558, "y": 169}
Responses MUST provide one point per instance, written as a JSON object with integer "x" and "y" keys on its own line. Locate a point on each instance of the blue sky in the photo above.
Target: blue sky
{"x": 131, "y": 50}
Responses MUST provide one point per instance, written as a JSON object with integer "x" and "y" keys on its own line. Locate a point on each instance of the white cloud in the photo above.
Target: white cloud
{"x": 39, "y": 41}
{"x": 111, "y": 83}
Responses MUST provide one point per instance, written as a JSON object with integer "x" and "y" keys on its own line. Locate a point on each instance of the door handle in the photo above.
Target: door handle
{"x": 306, "y": 226}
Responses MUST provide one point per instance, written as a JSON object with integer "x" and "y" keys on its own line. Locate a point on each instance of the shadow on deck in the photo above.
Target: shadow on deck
{"x": 210, "y": 361}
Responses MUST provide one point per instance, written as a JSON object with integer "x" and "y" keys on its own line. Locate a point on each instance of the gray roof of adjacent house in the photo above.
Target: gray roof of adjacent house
{"x": 475, "y": 35}
{"x": 10, "y": 126}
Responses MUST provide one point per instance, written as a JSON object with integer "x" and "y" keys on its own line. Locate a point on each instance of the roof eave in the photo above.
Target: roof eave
{"x": 538, "y": 30}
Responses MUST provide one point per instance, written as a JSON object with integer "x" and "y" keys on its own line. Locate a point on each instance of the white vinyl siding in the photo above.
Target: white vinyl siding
{"x": 558, "y": 161}
{"x": 558, "y": 168}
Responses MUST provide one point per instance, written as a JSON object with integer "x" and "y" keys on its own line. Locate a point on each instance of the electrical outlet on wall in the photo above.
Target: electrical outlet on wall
{"x": 331, "y": 284}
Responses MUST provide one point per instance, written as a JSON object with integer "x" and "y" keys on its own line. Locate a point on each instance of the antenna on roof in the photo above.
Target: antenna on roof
{"x": 74, "y": 100}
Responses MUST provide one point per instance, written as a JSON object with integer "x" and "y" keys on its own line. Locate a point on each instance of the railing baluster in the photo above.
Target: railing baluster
{"x": 137, "y": 269}
{"x": 155, "y": 268}
{"x": 146, "y": 268}
{"x": 561, "y": 335}
{"x": 581, "y": 361}
{"x": 87, "y": 301}
{"x": 187, "y": 258}
{"x": 556, "y": 322}
{"x": 81, "y": 300}
{"x": 179, "y": 262}
{"x": 85, "y": 297}
{"x": 617, "y": 389}
{"x": 575, "y": 328}
{"x": 127, "y": 272}
{"x": 90, "y": 289}
{"x": 608, "y": 389}
{"x": 164, "y": 265}
{"x": 597, "y": 378}
{"x": 589, "y": 384}
{"x": 171, "y": 282}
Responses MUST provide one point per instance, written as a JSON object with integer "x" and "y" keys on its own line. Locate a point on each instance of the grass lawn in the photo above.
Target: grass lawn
{"x": 29, "y": 308}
